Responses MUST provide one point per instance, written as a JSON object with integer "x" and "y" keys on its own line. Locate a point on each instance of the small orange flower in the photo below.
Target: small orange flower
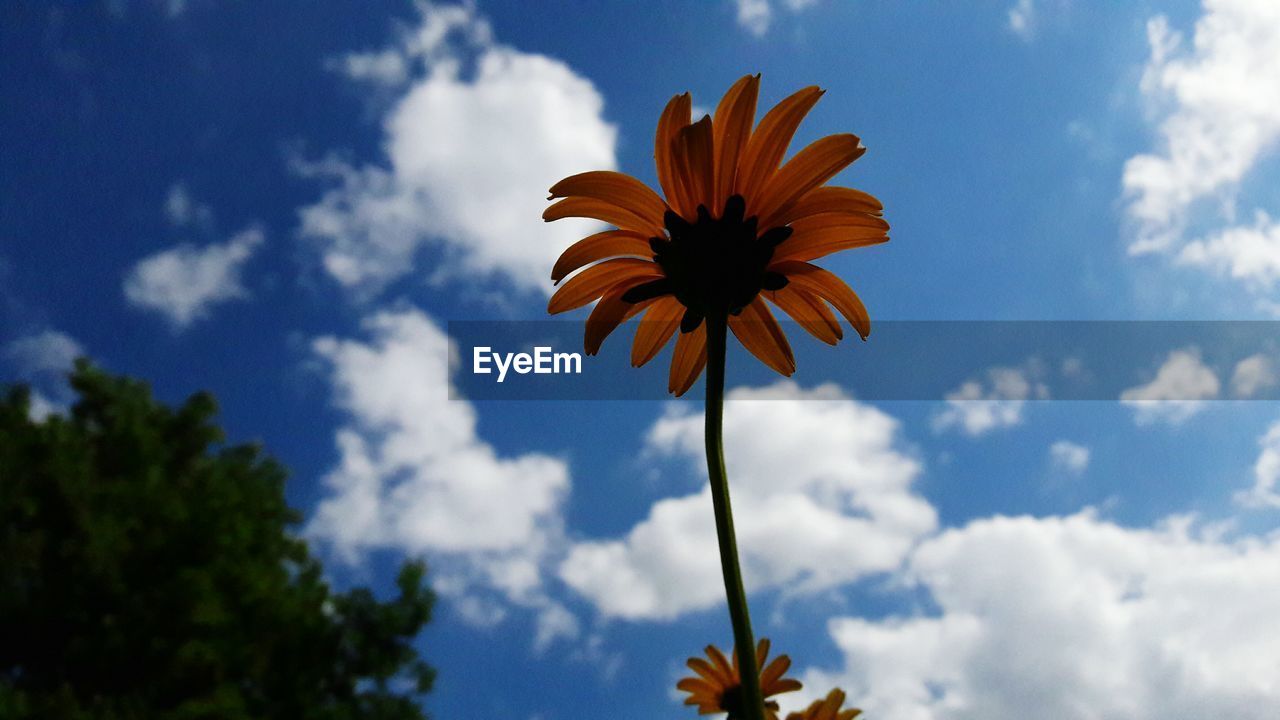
{"x": 828, "y": 709}
{"x": 719, "y": 685}
{"x": 737, "y": 227}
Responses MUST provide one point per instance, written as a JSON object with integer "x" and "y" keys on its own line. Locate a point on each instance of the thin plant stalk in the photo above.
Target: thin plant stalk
{"x": 744, "y": 643}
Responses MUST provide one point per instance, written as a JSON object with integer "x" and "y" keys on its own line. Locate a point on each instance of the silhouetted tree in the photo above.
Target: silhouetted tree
{"x": 147, "y": 571}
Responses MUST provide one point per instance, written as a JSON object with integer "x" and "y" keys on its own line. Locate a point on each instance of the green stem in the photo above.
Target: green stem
{"x": 744, "y": 643}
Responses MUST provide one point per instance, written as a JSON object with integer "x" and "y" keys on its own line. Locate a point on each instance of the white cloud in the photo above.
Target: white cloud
{"x": 821, "y": 496}
{"x": 1026, "y": 19}
{"x": 1218, "y": 103}
{"x": 755, "y": 16}
{"x": 1252, "y": 376}
{"x": 1069, "y": 456}
{"x": 1250, "y": 254}
{"x": 177, "y": 205}
{"x": 43, "y": 360}
{"x": 182, "y": 210}
{"x": 1174, "y": 395}
{"x": 47, "y": 351}
{"x": 1072, "y": 618}
{"x": 385, "y": 67}
{"x": 1073, "y": 368}
{"x": 184, "y": 282}
{"x": 41, "y": 407}
{"x": 1266, "y": 473}
{"x": 977, "y": 408}
{"x": 1022, "y": 19}
{"x": 477, "y": 133}
{"x": 414, "y": 476}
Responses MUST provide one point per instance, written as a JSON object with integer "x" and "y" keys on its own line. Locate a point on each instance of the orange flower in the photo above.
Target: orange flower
{"x": 719, "y": 685}
{"x": 737, "y": 227}
{"x": 828, "y": 709}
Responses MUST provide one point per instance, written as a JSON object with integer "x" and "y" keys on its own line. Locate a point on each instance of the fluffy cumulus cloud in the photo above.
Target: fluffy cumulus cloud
{"x": 1266, "y": 473}
{"x": 1022, "y": 19}
{"x": 183, "y": 283}
{"x": 976, "y": 407}
{"x": 414, "y": 476}
{"x": 1069, "y": 457}
{"x": 1253, "y": 376}
{"x": 1217, "y": 98}
{"x": 1248, "y": 253}
{"x": 474, "y": 135}
{"x": 1073, "y": 618}
{"x": 755, "y": 16}
{"x": 1176, "y": 392}
{"x": 822, "y": 495}
{"x": 42, "y": 360}
{"x": 47, "y": 351}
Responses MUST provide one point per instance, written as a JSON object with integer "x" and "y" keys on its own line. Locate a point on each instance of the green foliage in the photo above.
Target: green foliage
{"x": 146, "y": 571}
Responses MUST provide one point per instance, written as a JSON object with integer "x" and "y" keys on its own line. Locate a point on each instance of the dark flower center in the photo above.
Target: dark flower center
{"x": 734, "y": 702}
{"x": 714, "y": 265}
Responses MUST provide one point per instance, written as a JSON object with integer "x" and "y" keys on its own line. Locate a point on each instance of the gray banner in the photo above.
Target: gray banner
{"x": 903, "y": 360}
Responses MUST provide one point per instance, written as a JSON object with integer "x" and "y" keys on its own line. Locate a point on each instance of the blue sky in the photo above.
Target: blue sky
{"x": 286, "y": 203}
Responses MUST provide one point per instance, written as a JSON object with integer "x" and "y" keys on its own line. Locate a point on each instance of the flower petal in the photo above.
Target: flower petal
{"x": 597, "y": 280}
{"x": 593, "y": 248}
{"x": 770, "y": 139}
{"x": 732, "y": 130}
{"x": 713, "y": 672}
{"x": 704, "y": 668}
{"x": 814, "y": 279}
{"x": 825, "y": 199}
{"x": 655, "y": 329}
{"x": 675, "y": 116}
{"x": 834, "y": 700}
{"x": 819, "y": 246}
{"x": 762, "y": 646}
{"x": 586, "y": 207}
{"x": 759, "y": 333}
{"x": 611, "y": 312}
{"x": 811, "y": 167}
{"x": 616, "y": 188}
{"x": 695, "y": 158}
{"x": 824, "y": 234}
{"x": 728, "y": 671}
{"x": 786, "y": 685}
{"x": 688, "y": 360}
{"x": 839, "y": 218}
{"x": 696, "y": 685}
{"x": 774, "y": 671}
{"x": 809, "y": 311}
